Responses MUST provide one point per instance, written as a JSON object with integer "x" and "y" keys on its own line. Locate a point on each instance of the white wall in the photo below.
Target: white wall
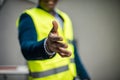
{"x": 10, "y": 53}
{"x": 96, "y": 28}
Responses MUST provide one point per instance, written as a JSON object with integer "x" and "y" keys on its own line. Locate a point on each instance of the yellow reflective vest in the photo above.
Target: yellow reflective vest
{"x": 56, "y": 68}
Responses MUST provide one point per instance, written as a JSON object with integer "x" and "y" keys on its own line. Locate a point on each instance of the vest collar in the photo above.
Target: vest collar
{"x": 53, "y": 12}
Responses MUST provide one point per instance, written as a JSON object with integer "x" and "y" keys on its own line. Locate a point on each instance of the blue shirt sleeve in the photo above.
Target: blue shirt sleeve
{"x": 81, "y": 71}
{"x": 30, "y": 47}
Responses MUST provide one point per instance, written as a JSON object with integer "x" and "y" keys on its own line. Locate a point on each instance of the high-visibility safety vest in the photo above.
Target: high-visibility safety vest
{"x": 56, "y": 68}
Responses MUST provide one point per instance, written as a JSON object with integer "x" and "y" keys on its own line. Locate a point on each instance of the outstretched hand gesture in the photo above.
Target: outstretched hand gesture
{"x": 54, "y": 42}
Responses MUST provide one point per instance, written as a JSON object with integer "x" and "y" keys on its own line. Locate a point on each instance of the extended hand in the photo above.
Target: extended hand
{"x": 54, "y": 43}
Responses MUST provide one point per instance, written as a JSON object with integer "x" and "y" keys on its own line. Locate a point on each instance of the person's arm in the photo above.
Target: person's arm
{"x": 81, "y": 71}
{"x": 30, "y": 47}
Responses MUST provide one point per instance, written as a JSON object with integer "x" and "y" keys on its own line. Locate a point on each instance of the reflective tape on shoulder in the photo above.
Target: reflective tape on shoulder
{"x": 49, "y": 72}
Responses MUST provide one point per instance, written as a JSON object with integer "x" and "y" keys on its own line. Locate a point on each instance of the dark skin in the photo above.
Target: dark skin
{"x": 55, "y": 44}
{"x": 54, "y": 41}
{"x": 48, "y": 5}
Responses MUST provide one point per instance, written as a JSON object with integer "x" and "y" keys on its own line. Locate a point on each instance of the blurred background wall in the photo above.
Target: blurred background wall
{"x": 96, "y": 28}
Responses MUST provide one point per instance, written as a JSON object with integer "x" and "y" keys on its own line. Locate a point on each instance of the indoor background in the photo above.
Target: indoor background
{"x": 96, "y": 25}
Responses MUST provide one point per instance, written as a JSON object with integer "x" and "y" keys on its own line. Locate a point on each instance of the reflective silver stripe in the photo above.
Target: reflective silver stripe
{"x": 49, "y": 72}
{"x": 72, "y": 60}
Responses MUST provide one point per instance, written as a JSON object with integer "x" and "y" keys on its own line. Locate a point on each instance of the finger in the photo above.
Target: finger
{"x": 61, "y": 44}
{"x": 61, "y": 51}
{"x": 57, "y": 45}
{"x": 54, "y": 37}
{"x": 55, "y": 27}
{"x": 64, "y": 53}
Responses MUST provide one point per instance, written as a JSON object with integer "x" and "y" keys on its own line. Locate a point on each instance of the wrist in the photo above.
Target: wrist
{"x": 47, "y": 46}
{"x": 48, "y": 51}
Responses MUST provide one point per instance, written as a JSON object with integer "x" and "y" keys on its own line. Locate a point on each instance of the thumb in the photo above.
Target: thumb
{"x": 55, "y": 27}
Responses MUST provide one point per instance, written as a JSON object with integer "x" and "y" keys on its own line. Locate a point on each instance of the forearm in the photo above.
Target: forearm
{"x": 33, "y": 50}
